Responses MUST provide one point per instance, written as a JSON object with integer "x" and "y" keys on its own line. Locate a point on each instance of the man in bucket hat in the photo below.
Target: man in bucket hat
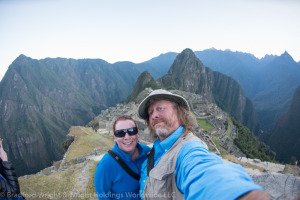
{"x": 179, "y": 166}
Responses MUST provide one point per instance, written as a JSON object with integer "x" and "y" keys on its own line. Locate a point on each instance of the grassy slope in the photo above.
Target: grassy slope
{"x": 66, "y": 183}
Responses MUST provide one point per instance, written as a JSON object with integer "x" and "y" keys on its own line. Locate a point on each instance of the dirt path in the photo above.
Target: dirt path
{"x": 80, "y": 190}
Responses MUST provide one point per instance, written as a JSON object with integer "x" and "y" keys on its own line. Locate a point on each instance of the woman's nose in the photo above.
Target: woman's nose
{"x": 127, "y": 136}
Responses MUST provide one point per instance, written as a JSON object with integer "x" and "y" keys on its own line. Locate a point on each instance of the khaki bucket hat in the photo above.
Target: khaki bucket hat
{"x": 157, "y": 95}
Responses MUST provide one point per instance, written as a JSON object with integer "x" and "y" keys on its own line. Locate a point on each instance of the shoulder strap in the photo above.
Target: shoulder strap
{"x": 150, "y": 162}
{"x": 123, "y": 165}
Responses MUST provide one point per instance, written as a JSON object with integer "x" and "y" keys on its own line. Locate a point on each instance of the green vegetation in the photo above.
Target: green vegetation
{"x": 204, "y": 124}
{"x": 195, "y": 104}
{"x": 250, "y": 145}
{"x": 228, "y": 124}
{"x": 221, "y": 149}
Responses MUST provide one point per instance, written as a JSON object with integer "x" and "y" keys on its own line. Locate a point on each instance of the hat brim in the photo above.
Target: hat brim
{"x": 143, "y": 107}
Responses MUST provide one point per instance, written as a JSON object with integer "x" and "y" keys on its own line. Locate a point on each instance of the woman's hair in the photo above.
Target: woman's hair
{"x": 186, "y": 119}
{"x": 122, "y": 118}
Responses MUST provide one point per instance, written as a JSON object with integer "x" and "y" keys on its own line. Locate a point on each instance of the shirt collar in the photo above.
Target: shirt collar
{"x": 167, "y": 143}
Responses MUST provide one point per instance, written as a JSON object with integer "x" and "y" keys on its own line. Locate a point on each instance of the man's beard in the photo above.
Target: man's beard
{"x": 162, "y": 131}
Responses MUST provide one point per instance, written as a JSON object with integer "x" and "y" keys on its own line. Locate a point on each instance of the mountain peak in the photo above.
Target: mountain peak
{"x": 21, "y": 56}
{"x": 184, "y": 61}
{"x": 286, "y": 55}
{"x": 145, "y": 80}
{"x": 21, "y": 59}
{"x": 187, "y": 53}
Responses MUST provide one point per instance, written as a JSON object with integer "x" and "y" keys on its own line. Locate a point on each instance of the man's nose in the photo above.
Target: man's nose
{"x": 154, "y": 115}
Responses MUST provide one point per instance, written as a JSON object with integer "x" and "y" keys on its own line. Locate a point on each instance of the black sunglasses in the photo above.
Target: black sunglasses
{"x": 122, "y": 132}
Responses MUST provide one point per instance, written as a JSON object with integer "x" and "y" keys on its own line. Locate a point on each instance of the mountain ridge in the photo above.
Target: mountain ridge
{"x": 50, "y": 95}
{"x": 270, "y": 99}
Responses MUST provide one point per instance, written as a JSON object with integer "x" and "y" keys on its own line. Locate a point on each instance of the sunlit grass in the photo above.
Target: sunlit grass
{"x": 53, "y": 186}
{"x": 86, "y": 144}
{"x": 229, "y": 126}
{"x": 204, "y": 124}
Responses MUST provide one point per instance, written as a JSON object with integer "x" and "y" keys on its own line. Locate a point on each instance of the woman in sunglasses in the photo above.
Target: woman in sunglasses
{"x": 115, "y": 180}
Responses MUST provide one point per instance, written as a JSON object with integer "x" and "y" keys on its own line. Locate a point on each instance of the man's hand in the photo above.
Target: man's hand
{"x": 255, "y": 195}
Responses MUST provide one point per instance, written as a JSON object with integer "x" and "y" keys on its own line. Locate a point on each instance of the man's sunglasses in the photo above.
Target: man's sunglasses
{"x": 122, "y": 132}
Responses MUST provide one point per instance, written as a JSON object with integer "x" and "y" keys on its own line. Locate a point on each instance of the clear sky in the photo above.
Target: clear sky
{"x": 138, "y": 30}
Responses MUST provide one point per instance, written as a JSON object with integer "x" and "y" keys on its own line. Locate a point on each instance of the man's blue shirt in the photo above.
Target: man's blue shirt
{"x": 111, "y": 180}
{"x": 201, "y": 174}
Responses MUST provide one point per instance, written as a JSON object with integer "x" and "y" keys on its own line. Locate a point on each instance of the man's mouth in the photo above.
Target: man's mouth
{"x": 156, "y": 122}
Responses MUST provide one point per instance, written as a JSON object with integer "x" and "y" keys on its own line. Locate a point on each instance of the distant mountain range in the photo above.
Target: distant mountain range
{"x": 269, "y": 82}
{"x": 41, "y": 99}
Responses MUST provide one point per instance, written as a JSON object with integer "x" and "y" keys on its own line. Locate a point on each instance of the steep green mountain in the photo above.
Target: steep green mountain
{"x": 145, "y": 80}
{"x": 189, "y": 74}
{"x": 285, "y": 137}
{"x": 41, "y": 99}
